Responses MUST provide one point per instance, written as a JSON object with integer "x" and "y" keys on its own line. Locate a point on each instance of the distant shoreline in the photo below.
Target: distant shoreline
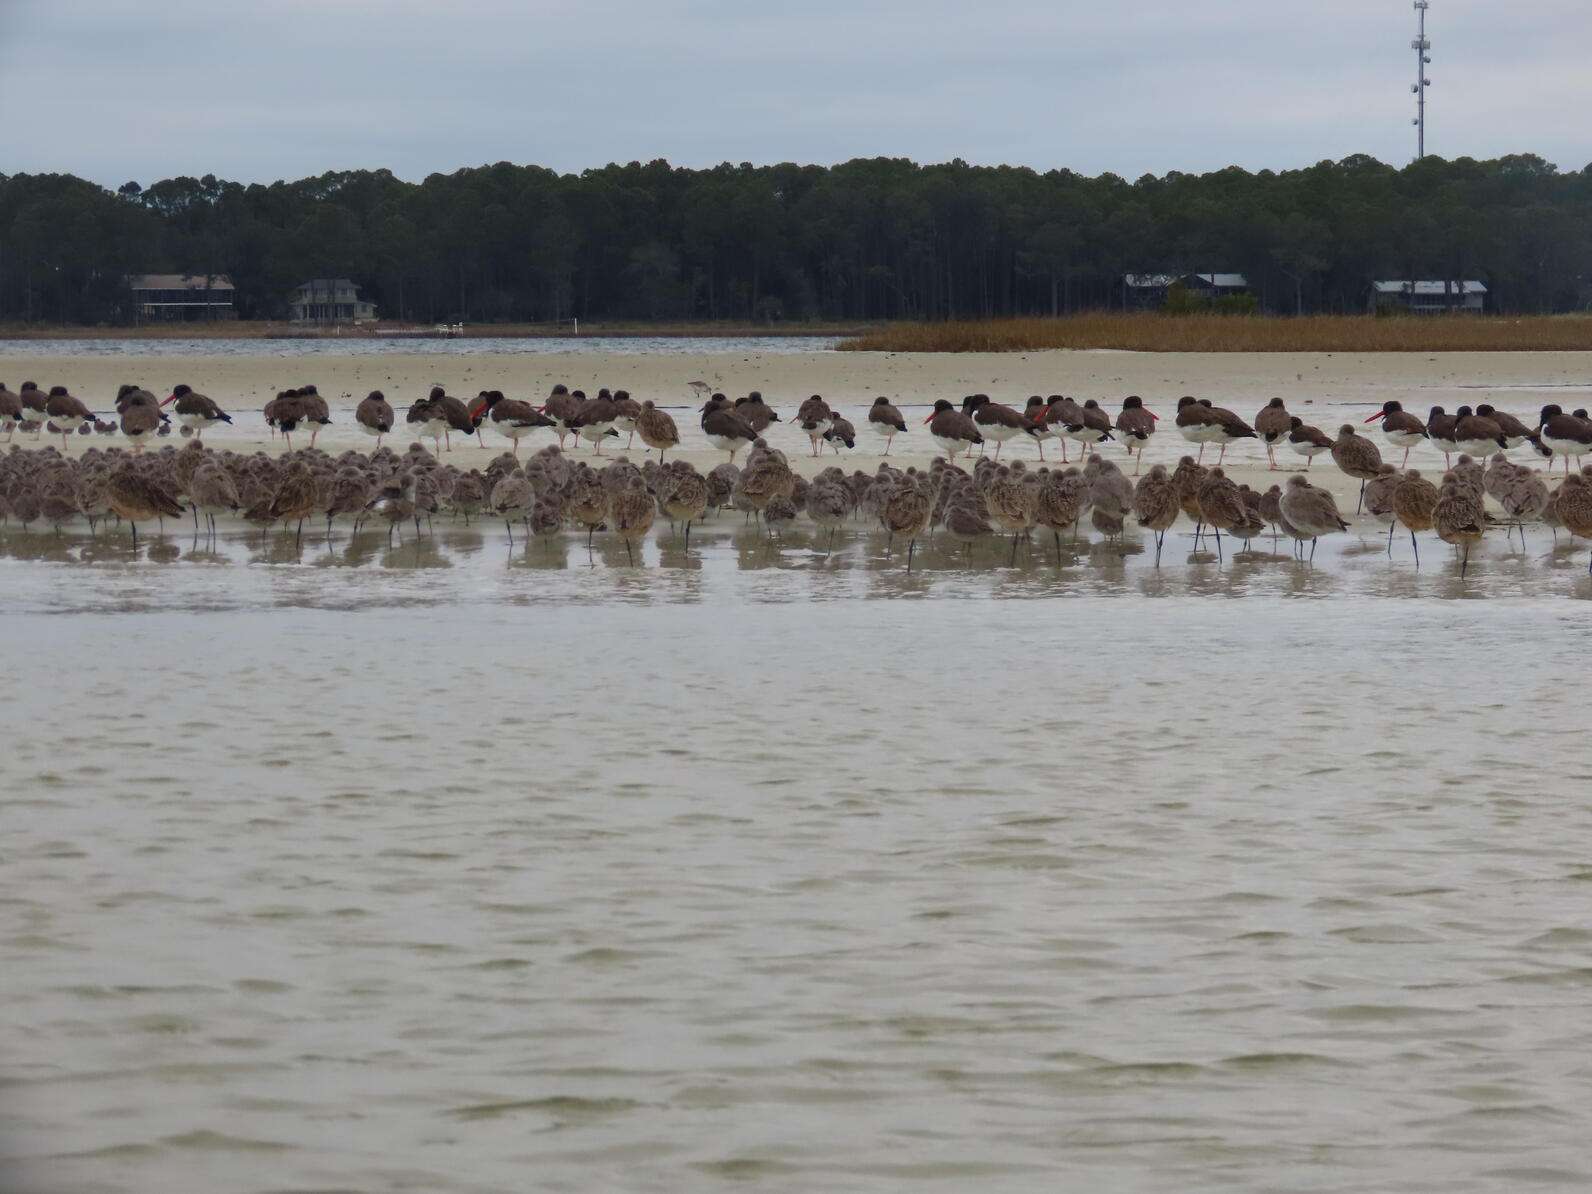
{"x": 240, "y": 329}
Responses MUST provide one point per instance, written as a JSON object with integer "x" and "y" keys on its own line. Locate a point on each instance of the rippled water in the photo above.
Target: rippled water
{"x": 456, "y": 868}
{"x": 465, "y": 347}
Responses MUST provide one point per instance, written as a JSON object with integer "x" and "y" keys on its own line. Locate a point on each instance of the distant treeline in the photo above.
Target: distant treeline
{"x": 872, "y": 239}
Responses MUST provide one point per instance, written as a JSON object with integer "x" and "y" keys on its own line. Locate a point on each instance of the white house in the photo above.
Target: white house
{"x": 329, "y": 300}
{"x": 182, "y": 296}
{"x": 1427, "y": 297}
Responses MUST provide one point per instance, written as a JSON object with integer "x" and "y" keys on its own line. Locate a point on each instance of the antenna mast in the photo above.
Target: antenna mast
{"x": 1420, "y": 45}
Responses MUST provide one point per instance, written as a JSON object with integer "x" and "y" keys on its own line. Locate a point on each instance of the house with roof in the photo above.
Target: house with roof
{"x": 329, "y": 300}
{"x": 1150, "y": 290}
{"x": 182, "y": 296}
{"x": 1430, "y": 298}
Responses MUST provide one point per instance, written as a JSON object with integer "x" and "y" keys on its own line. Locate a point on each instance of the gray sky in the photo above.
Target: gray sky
{"x": 257, "y": 90}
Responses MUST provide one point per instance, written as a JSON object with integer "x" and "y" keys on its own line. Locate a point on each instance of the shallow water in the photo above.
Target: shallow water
{"x": 462, "y": 868}
{"x": 464, "y": 347}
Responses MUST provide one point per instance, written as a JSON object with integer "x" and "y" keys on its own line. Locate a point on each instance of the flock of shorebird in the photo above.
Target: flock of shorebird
{"x": 550, "y": 491}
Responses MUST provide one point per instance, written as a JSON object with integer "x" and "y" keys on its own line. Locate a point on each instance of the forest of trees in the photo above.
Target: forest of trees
{"x": 871, "y": 239}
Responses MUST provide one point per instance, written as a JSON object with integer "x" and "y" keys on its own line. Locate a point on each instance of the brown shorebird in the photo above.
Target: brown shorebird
{"x": 1515, "y": 432}
{"x": 10, "y": 410}
{"x": 66, "y": 413}
{"x": 906, "y": 512}
{"x": 1137, "y": 425}
{"x": 1573, "y": 505}
{"x": 1459, "y": 517}
{"x": 626, "y": 409}
{"x": 1229, "y": 429}
{"x": 1402, "y": 429}
{"x": 632, "y": 512}
{"x": 840, "y": 432}
{"x": 952, "y": 430}
{"x": 885, "y": 420}
{"x": 1155, "y": 505}
{"x": 1273, "y": 424}
{"x": 1379, "y": 499}
{"x": 1357, "y": 456}
{"x": 1564, "y": 435}
{"x": 814, "y": 417}
{"x": 375, "y": 415}
{"x": 140, "y": 423}
{"x": 995, "y": 421}
{"x": 657, "y": 428}
{"x": 1196, "y": 423}
{"x": 756, "y": 412}
{"x": 561, "y": 406}
{"x": 1440, "y": 430}
{"x": 515, "y": 419}
{"x": 1059, "y": 416}
{"x": 316, "y": 411}
{"x": 1413, "y": 500}
{"x": 195, "y": 410}
{"x": 1221, "y": 507}
{"x": 1477, "y": 434}
{"x": 1310, "y": 511}
{"x": 1093, "y": 426}
{"x": 725, "y": 429}
{"x": 1307, "y": 441}
{"x": 1010, "y": 504}
{"x": 688, "y": 497}
{"x": 33, "y": 413}
{"x": 138, "y": 498}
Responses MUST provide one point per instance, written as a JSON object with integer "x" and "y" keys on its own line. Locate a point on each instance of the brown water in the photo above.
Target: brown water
{"x": 459, "y": 869}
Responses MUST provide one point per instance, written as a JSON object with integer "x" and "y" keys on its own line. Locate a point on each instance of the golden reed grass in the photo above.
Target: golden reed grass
{"x": 1153, "y": 332}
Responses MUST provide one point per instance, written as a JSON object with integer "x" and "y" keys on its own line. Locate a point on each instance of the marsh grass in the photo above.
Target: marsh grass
{"x": 1153, "y": 332}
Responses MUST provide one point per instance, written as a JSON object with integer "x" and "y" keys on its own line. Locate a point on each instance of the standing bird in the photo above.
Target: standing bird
{"x": 885, "y": 420}
{"x": 1357, "y": 456}
{"x": 1093, "y": 426}
{"x": 996, "y": 421}
{"x": 515, "y": 419}
{"x": 1229, "y": 429}
{"x": 1414, "y": 498}
{"x": 138, "y": 498}
{"x": 725, "y": 429}
{"x": 1573, "y": 506}
{"x": 562, "y": 406}
{"x": 1563, "y": 435}
{"x": 1308, "y": 442}
{"x": 1137, "y": 425}
{"x": 1273, "y": 424}
{"x": 65, "y": 412}
{"x": 316, "y": 412}
{"x": 196, "y": 410}
{"x": 626, "y": 409}
{"x": 1156, "y": 505}
{"x": 10, "y": 411}
{"x": 375, "y": 415}
{"x": 632, "y": 512}
{"x": 34, "y": 415}
{"x": 907, "y": 510}
{"x": 141, "y": 423}
{"x": 815, "y": 418}
{"x": 426, "y": 421}
{"x": 1515, "y": 432}
{"x": 452, "y": 412}
{"x": 1459, "y": 517}
{"x": 756, "y": 412}
{"x": 1310, "y": 511}
{"x": 952, "y": 430}
{"x": 1221, "y": 506}
{"x": 1440, "y": 430}
{"x": 841, "y": 432}
{"x": 1402, "y": 429}
{"x": 1379, "y": 499}
{"x": 1477, "y": 434}
{"x": 657, "y": 428}
{"x": 1196, "y": 423}
{"x": 1060, "y": 414}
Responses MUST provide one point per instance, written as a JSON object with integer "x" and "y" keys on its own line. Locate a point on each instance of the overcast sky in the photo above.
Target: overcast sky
{"x": 257, "y": 90}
